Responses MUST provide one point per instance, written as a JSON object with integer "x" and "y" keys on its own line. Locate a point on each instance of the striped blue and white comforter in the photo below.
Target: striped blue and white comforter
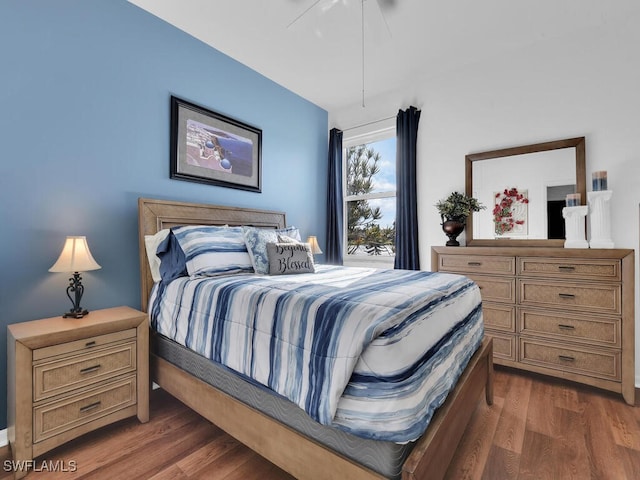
{"x": 373, "y": 352}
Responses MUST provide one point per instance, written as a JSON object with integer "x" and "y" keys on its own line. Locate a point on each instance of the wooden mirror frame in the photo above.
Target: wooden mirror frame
{"x": 581, "y": 187}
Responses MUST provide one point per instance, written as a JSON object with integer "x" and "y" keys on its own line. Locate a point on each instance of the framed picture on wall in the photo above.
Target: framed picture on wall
{"x": 208, "y": 147}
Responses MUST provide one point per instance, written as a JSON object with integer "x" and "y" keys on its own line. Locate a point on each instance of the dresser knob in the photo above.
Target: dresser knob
{"x": 566, "y": 358}
{"x": 566, "y": 327}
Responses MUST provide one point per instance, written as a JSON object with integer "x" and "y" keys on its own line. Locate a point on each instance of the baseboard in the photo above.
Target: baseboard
{"x": 3, "y": 438}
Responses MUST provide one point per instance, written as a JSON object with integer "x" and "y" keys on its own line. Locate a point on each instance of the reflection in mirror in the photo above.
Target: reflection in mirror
{"x": 524, "y": 190}
{"x": 532, "y": 175}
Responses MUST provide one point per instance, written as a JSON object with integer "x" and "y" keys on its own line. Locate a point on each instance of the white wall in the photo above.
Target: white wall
{"x": 584, "y": 85}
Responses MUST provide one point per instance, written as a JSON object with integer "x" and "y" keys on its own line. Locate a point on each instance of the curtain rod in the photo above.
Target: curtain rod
{"x": 369, "y": 123}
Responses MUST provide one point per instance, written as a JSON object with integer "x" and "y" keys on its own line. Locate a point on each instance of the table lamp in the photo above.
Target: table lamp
{"x": 75, "y": 258}
{"x": 313, "y": 243}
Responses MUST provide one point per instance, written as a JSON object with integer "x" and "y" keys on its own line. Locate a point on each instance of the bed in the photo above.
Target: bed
{"x": 263, "y": 421}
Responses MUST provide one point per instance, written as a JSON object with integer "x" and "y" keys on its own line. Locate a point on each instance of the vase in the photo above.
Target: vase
{"x": 453, "y": 227}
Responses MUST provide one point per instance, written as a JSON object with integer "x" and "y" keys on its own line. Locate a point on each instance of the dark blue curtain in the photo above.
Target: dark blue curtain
{"x": 406, "y": 197}
{"x": 333, "y": 251}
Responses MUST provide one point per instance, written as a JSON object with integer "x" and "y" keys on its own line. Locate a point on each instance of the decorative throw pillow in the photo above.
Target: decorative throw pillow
{"x": 290, "y": 258}
{"x": 287, "y": 239}
{"x": 212, "y": 250}
{"x": 256, "y": 240}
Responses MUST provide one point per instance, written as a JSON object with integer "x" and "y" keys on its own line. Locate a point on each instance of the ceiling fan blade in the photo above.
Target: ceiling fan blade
{"x": 328, "y": 5}
{"x": 304, "y": 13}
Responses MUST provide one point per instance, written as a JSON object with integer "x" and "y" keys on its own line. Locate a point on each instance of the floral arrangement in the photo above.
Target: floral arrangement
{"x": 503, "y": 211}
{"x": 458, "y": 206}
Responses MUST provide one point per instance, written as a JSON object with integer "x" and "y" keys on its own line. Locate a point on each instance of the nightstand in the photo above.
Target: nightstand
{"x": 67, "y": 377}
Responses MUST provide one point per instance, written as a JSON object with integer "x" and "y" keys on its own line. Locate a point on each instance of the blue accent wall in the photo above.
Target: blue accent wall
{"x": 84, "y": 132}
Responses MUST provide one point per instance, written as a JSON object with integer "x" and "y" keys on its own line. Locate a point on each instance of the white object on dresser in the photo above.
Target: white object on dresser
{"x": 567, "y": 313}
{"x": 69, "y": 376}
{"x": 574, "y": 221}
{"x": 600, "y": 219}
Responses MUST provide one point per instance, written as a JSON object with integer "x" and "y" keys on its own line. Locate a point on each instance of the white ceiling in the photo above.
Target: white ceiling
{"x": 319, "y": 55}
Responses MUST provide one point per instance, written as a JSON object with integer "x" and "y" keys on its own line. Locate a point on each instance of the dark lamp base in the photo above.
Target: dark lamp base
{"x": 75, "y": 287}
{"x": 73, "y": 314}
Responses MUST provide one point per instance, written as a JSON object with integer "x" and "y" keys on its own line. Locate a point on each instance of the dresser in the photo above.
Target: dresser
{"x": 567, "y": 313}
{"x": 68, "y": 376}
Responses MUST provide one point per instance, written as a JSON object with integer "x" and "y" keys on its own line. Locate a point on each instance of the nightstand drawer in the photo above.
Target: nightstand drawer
{"x": 595, "y": 363}
{"x": 486, "y": 264}
{"x": 65, "y": 374}
{"x": 84, "y": 345}
{"x": 579, "y": 269}
{"x": 591, "y": 330}
{"x": 603, "y": 298}
{"x": 496, "y": 289}
{"x": 57, "y": 417}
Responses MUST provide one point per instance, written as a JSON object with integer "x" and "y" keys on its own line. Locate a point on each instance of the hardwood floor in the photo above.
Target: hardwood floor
{"x": 538, "y": 428}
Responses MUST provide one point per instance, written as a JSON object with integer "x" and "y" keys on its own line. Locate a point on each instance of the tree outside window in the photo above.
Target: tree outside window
{"x": 370, "y": 200}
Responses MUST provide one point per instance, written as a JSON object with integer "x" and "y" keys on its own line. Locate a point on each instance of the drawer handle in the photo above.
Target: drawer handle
{"x": 90, "y": 407}
{"x": 84, "y": 371}
{"x": 566, "y": 268}
{"x": 566, "y": 358}
{"x": 566, "y": 295}
{"x": 566, "y": 327}
{"x": 474, "y": 264}
{"x": 90, "y": 344}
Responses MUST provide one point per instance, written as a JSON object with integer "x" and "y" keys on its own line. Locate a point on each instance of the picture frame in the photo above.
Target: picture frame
{"x": 208, "y": 147}
{"x": 510, "y": 213}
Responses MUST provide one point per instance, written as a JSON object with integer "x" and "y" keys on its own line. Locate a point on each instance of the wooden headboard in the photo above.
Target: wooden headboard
{"x": 154, "y": 215}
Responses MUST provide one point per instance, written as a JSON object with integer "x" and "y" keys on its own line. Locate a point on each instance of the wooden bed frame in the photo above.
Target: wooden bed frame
{"x": 292, "y": 451}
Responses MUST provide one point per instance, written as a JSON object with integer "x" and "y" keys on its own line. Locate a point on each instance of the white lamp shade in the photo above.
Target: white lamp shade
{"x": 313, "y": 243}
{"x": 75, "y": 257}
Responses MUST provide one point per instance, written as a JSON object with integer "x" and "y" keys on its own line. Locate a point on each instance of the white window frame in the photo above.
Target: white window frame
{"x": 381, "y": 131}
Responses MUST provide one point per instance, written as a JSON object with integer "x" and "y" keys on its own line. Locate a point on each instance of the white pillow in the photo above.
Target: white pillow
{"x": 151, "y": 243}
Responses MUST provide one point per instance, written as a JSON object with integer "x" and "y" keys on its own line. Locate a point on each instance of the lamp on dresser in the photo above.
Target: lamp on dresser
{"x": 75, "y": 258}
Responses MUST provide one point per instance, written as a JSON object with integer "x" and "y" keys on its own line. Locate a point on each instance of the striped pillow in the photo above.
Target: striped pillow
{"x": 213, "y": 251}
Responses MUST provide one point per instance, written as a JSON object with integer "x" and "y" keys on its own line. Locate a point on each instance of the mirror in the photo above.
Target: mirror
{"x": 530, "y": 184}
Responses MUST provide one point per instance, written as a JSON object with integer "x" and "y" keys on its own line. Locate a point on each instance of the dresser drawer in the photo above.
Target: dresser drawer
{"x": 592, "y": 362}
{"x": 603, "y": 298}
{"x": 590, "y": 329}
{"x": 579, "y": 269}
{"x": 84, "y": 345}
{"x": 499, "y": 317}
{"x": 486, "y": 264}
{"x": 67, "y": 373}
{"x": 496, "y": 289}
{"x": 504, "y": 346}
{"x": 54, "y": 418}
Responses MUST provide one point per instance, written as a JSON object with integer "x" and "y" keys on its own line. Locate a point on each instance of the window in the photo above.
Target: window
{"x": 369, "y": 174}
